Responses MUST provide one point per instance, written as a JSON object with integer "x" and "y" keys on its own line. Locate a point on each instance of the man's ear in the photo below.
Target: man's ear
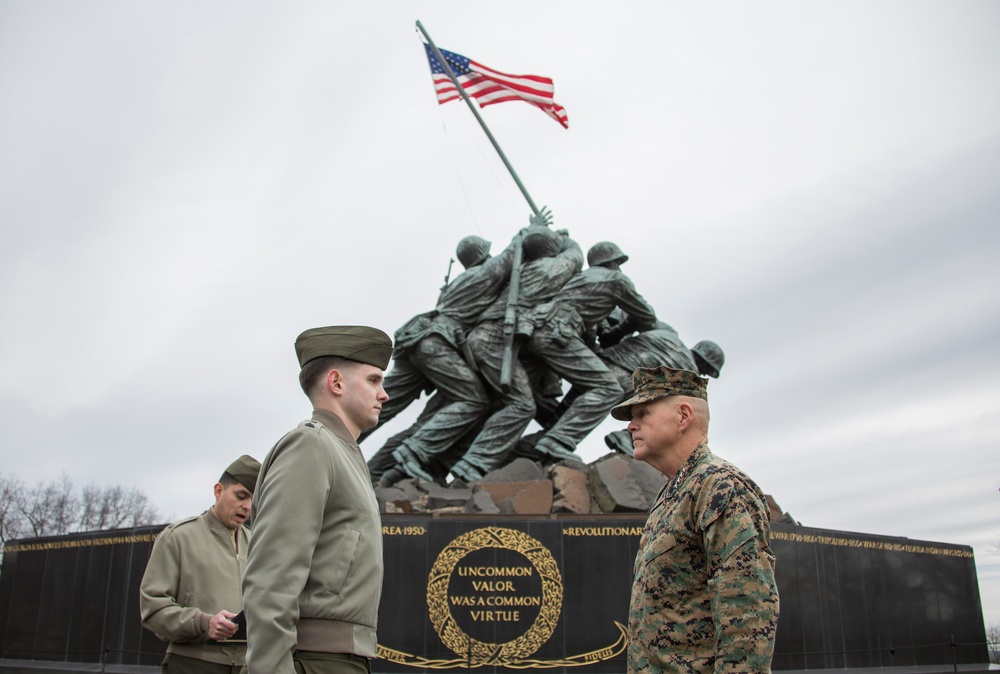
{"x": 686, "y": 413}
{"x": 218, "y": 490}
{"x": 335, "y": 382}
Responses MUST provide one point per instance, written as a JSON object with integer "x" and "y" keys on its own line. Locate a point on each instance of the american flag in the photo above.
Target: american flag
{"x": 490, "y": 86}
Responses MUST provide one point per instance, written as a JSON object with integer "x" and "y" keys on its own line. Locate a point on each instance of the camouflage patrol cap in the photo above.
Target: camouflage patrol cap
{"x": 353, "y": 342}
{"x": 651, "y": 383}
{"x": 244, "y": 470}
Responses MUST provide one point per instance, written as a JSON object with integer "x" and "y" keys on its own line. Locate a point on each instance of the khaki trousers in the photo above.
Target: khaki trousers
{"x": 180, "y": 664}
{"x": 313, "y": 662}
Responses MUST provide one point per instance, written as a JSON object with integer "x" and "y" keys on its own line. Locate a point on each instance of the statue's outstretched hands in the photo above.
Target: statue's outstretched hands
{"x": 543, "y": 217}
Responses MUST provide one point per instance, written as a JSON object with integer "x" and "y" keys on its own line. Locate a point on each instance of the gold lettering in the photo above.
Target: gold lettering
{"x": 493, "y": 586}
{"x": 403, "y": 531}
{"x": 870, "y": 545}
{"x": 602, "y": 531}
{"x": 94, "y": 542}
{"x": 496, "y": 616}
{"x": 513, "y": 601}
{"x": 602, "y": 654}
{"x": 494, "y": 571}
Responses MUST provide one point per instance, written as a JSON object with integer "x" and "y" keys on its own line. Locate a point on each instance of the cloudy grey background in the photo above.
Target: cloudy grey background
{"x": 185, "y": 186}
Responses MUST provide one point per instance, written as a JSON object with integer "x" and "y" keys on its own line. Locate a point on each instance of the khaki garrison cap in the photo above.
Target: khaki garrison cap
{"x": 660, "y": 382}
{"x": 353, "y": 342}
{"x": 244, "y": 470}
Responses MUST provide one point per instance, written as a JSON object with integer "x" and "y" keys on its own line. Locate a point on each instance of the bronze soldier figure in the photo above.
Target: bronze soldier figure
{"x": 565, "y": 329}
{"x": 432, "y": 354}
{"x": 551, "y": 259}
{"x": 652, "y": 348}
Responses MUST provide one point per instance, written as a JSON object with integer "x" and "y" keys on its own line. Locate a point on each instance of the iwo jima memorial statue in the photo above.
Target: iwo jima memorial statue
{"x": 504, "y": 551}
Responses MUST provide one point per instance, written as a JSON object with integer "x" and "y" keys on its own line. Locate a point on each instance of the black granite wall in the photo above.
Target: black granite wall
{"x": 505, "y": 593}
{"x": 851, "y": 600}
{"x": 75, "y": 598}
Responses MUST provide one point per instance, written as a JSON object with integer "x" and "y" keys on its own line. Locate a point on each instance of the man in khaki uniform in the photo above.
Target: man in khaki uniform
{"x": 314, "y": 573}
{"x": 190, "y": 592}
{"x": 704, "y": 598}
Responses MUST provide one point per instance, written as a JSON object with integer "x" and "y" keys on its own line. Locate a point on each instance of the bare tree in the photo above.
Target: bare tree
{"x": 12, "y": 523}
{"x": 55, "y": 508}
{"x": 114, "y": 507}
{"x": 49, "y": 509}
{"x": 993, "y": 642}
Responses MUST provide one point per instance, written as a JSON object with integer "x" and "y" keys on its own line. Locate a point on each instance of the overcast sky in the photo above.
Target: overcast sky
{"x": 185, "y": 186}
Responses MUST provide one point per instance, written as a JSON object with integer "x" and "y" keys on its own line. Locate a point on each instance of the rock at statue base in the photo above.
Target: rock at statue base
{"x": 572, "y": 494}
{"x": 621, "y": 484}
{"x": 518, "y": 470}
{"x": 520, "y": 498}
{"x": 615, "y": 483}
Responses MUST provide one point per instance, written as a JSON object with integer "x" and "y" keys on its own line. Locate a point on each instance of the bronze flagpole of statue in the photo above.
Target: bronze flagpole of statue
{"x": 541, "y": 217}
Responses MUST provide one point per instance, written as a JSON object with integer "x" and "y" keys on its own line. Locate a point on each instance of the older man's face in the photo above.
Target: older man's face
{"x": 655, "y": 428}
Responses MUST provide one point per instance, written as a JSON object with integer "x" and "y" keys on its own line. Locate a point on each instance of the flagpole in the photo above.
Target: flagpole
{"x": 496, "y": 146}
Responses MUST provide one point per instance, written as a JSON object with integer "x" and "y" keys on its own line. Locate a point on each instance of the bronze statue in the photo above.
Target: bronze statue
{"x": 564, "y": 330}
{"x": 500, "y": 342}
{"x": 551, "y": 259}
{"x": 432, "y": 354}
{"x": 652, "y": 348}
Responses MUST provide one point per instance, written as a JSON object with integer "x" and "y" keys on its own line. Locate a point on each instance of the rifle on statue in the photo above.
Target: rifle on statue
{"x": 541, "y": 219}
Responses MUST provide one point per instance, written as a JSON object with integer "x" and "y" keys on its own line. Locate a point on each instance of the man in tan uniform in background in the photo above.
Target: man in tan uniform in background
{"x": 314, "y": 573}
{"x": 190, "y": 591}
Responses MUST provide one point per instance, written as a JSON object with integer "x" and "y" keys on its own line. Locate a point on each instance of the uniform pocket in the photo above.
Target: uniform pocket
{"x": 767, "y": 559}
{"x": 661, "y": 544}
{"x": 342, "y": 559}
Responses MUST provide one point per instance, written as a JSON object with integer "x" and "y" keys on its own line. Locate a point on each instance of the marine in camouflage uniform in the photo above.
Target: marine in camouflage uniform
{"x": 704, "y": 598}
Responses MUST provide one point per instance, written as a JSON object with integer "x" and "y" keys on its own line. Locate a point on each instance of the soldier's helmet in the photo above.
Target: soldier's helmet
{"x": 604, "y": 252}
{"x": 472, "y": 250}
{"x": 540, "y": 241}
{"x": 708, "y": 357}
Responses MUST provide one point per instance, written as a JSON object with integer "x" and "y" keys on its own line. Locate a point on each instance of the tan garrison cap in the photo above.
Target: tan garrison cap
{"x": 244, "y": 470}
{"x": 353, "y": 342}
{"x": 660, "y": 382}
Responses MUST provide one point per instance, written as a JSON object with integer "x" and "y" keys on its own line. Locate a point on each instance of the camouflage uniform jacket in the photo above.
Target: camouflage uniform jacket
{"x": 704, "y": 597}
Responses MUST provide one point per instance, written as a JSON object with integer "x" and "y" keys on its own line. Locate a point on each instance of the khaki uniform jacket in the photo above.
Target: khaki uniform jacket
{"x": 704, "y": 598}
{"x": 193, "y": 573}
{"x": 314, "y": 573}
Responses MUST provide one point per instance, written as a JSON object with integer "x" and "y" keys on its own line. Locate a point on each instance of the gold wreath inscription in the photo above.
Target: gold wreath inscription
{"x": 478, "y": 652}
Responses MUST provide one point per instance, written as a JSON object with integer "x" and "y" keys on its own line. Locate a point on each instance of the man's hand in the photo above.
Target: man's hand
{"x": 220, "y": 626}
